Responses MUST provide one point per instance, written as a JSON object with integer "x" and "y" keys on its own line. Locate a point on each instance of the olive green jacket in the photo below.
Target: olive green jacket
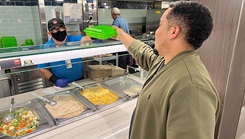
{"x": 179, "y": 102}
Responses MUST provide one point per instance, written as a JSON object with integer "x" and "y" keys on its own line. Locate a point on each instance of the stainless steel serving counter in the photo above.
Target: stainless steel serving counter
{"x": 110, "y": 123}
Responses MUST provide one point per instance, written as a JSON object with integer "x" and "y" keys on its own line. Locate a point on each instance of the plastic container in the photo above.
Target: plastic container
{"x": 101, "y": 32}
{"x": 29, "y": 42}
{"x": 8, "y": 41}
{"x": 125, "y": 85}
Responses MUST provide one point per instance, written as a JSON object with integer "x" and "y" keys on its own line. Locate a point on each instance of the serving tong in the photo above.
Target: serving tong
{"x": 50, "y": 102}
{"x": 77, "y": 85}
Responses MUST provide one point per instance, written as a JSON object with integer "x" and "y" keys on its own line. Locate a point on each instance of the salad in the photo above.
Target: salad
{"x": 25, "y": 121}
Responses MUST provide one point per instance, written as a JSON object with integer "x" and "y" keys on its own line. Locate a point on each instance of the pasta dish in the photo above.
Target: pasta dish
{"x": 67, "y": 106}
{"x": 99, "y": 95}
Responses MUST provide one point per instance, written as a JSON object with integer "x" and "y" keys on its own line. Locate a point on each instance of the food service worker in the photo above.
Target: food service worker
{"x": 178, "y": 99}
{"x": 123, "y": 24}
{"x": 71, "y": 70}
{"x": 118, "y": 20}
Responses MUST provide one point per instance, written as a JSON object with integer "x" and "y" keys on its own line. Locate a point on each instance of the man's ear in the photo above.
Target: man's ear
{"x": 175, "y": 31}
{"x": 49, "y": 33}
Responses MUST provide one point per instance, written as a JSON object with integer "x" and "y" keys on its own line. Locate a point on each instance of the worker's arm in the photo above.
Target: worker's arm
{"x": 86, "y": 39}
{"x": 123, "y": 37}
{"x": 46, "y": 73}
{"x": 52, "y": 78}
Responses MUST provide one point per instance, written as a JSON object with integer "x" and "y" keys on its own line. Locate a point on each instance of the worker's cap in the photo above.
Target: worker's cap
{"x": 54, "y": 22}
{"x": 115, "y": 10}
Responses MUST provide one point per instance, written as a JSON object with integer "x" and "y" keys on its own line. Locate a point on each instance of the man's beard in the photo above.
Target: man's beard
{"x": 155, "y": 51}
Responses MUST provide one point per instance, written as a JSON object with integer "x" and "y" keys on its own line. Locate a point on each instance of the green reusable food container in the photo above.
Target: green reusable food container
{"x": 8, "y": 41}
{"x": 101, "y": 32}
{"x": 29, "y": 42}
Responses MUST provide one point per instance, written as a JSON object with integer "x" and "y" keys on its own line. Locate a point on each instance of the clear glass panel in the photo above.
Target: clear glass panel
{"x": 50, "y": 48}
{"x": 16, "y": 53}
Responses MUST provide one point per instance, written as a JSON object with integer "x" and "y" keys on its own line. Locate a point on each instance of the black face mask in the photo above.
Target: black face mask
{"x": 59, "y": 36}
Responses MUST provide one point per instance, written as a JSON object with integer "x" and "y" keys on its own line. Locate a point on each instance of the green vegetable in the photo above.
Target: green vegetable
{"x": 20, "y": 120}
{"x": 34, "y": 127}
{"x": 24, "y": 112}
{"x": 15, "y": 120}
{"x": 5, "y": 127}
{"x": 29, "y": 126}
{"x": 12, "y": 131}
{"x": 11, "y": 124}
{"x": 4, "y": 132}
{"x": 17, "y": 117}
{"x": 15, "y": 124}
{"x": 22, "y": 133}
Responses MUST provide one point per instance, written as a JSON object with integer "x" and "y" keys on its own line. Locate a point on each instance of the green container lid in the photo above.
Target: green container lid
{"x": 8, "y": 41}
{"x": 101, "y": 32}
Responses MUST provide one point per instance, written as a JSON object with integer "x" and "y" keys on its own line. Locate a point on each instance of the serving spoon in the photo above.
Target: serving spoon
{"x": 51, "y": 103}
{"x": 8, "y": 117}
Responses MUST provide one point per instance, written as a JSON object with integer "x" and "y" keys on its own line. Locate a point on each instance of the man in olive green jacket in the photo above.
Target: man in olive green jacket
{"x": 178, "y": 99}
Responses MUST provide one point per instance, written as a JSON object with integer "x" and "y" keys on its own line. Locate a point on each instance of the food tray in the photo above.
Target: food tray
{"x": 69, "y": 105}
{"x": 101, "y": 32}
{"x": 125, "y": 85}
{"x": 44, "y": 120}
{"x": 101, "y": 96}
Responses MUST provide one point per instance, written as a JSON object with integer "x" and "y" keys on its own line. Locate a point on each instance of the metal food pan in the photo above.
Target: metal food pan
{"x": 109, "y": 94}
{"x": 45, "y": 121}
{"x": 59, "y": 116}
{"x": 125, "y": 85}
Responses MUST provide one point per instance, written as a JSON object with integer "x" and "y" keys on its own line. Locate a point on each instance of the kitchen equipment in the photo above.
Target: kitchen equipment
{"x": 8, "y": 117}
{"x": 72, "y": 13}
{"x": 51, "y": 103}
{"x": 90, "y": 14}
{"x": 152, "y": 19}
{"x": 22, "y": 82}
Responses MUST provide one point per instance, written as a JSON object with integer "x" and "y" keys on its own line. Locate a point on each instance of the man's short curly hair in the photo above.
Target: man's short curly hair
{"x": 194, "y": 20}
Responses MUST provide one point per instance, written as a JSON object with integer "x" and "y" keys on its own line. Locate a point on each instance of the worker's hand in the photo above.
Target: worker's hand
{"x": 120, "y": 32}
{"x": 125, "y": 38}
{"x": 62, "y": 82}
{"x": 86, "y": 39}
